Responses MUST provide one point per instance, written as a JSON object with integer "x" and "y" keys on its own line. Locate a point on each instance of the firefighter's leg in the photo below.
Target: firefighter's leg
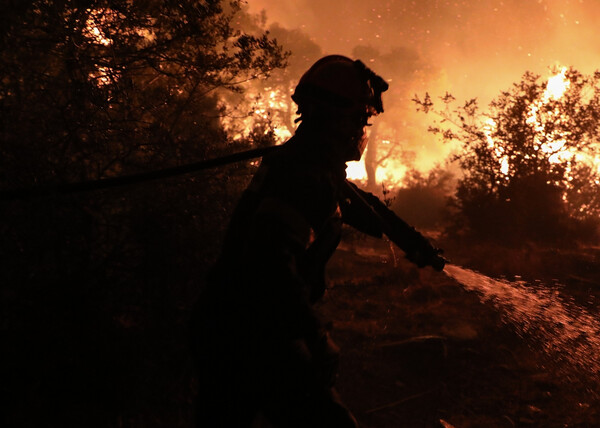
{"x": 226, "y": 394}
{"x": 299, "y": 391}
{"x": 224, "y": 404}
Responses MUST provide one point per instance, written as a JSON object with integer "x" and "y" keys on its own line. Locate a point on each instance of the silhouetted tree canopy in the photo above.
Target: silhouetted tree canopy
{"x": 94, "y": 88}
{"x": 268, "y": 101}
{"x": 530, "y": 163}
{"x": 422, "y": 200}
{"x": 95, "y": 286}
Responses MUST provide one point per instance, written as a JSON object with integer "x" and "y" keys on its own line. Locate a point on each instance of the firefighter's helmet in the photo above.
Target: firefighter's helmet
{"x": 338, "y": 82}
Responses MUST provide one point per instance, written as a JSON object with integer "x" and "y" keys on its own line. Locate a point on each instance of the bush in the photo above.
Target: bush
{"x": 529, "y": 164}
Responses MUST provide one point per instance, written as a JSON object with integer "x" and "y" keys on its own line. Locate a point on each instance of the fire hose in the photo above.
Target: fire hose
{"x": 111, "y": 182}
{"x": 394, "y": 227}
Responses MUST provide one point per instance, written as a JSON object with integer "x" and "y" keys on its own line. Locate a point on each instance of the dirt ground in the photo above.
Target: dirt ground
{"x": 417, "y": 350}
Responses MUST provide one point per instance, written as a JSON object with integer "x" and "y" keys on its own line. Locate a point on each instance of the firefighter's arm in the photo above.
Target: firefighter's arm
{"x": 282, "y": 229}
{"x": 368, "y": 212}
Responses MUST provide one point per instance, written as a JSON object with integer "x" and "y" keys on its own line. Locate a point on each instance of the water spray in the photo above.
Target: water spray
{"x": 565, "y": 332}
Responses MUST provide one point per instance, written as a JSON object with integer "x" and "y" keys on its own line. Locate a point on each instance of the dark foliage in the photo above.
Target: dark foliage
{"x": 96, "y": 286}
{"x": 422, "y": 202}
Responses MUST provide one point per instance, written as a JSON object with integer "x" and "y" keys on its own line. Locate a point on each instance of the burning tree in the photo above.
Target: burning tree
{"x": 395, "y": 141}
{"x": 531, "y": 166}
{"x": 267, "y": 102}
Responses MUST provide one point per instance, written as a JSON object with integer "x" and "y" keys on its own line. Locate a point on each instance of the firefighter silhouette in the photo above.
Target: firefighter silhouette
{"x": 260, "y": 349}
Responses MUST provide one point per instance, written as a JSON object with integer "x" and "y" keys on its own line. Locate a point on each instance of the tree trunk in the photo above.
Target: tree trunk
{"x": 371, "y": 162}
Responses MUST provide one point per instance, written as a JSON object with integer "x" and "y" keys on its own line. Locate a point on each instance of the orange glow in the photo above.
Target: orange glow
{"x": 97, "y": 21}
{"x": 241, "y": 119}
{"x": 103, "y": 76}
{"x": 356, "y": 170}
{"x": 549, "y": 136}
{"x": 489, "y": 127}
{"x": 551, "y": 143}
{"x": 470, "y": 49}
{"x": 97, "y": 18}
{"x": 557, "y": 85}
{"x": 390, "y": 172}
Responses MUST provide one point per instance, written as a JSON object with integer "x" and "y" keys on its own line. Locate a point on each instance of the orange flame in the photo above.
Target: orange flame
{"x": 553, "y": 143}
{"x": 391, "y": 171}
{"x": 356, "y": 170}
{"x": 557, "y": 85}
{"x": 242, "y": 118}
{"x": 94, "y": 23}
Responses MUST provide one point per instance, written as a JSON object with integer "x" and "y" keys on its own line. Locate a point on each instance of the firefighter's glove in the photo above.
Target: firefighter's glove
{"x": 424, "y": 254}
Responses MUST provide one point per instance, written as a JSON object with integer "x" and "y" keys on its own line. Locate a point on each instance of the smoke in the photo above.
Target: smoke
{"x": 473, "y": 49}
{"x": 481, "y": 46}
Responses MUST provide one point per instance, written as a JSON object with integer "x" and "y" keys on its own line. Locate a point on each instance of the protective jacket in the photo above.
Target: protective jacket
{"x": 284, "y": 229}
{"x": 259, "y": 344}
{"x": 254, "y": 328}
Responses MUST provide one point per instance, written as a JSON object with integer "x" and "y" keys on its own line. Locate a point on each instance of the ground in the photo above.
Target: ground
{"x": 420, "y": 351}
{"x": 417, "y": 349}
